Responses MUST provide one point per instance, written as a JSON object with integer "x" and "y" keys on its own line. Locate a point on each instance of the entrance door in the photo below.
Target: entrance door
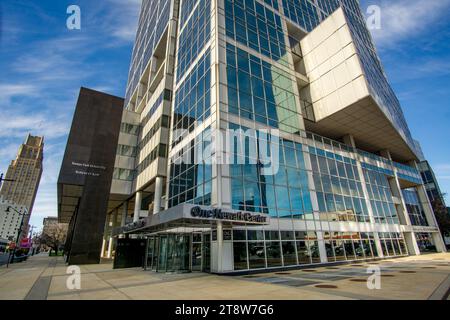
{"x": 197, "y": 252}
{"x": 162, "y": 263}
{"x": 206, "y": 252}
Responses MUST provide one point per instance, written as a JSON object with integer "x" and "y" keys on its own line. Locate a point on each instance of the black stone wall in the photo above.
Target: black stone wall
{"x": 89, "y": 162}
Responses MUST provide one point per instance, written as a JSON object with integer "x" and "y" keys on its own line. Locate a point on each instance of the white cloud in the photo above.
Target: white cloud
{"x": 128, "y": 13}
{"x": 406, "y": 19}
{"x": 19, "y": 125}
{"x": 9, "y": 91}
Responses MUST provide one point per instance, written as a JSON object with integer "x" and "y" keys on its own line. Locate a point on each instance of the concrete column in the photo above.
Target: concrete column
{"x": 124, "y": 214}
{"x": 110, "y": 248}
{"x": 377, "y": 241}
{"x": 439, "y": 242}
{"x": 349, "y": 140}
{"x": 322, "y": 248}
{"x": 429, "y": 214}
{"x": 219, "y": 246}
{"x": 158, "y": 195}
{"x": 102, "y": 255}
{"x": 411, "y": 243}
{"x": 137, "y": 206}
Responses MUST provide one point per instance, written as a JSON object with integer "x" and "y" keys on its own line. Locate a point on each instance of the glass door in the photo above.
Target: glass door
{"x": 197, "y": 252}
{"x": 150, "y": 253}
{"x": 206, "y": 252}
{"x": 162, "y": 261}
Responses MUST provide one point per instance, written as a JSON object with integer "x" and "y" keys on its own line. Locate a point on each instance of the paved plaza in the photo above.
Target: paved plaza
{"x": 42, "y": 277}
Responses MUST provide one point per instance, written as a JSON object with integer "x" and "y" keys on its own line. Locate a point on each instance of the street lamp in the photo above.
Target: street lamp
{"x": 8, "y": 209}
{"x": 6, "y": 180}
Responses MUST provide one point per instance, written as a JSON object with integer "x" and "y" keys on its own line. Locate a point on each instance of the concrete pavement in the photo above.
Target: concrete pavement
{"x": 42, "y": 277}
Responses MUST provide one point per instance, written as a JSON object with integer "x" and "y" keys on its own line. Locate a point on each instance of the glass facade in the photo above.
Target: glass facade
{"x": 260, "y": 91}
{"x": 190, "y": 183}
{"x": 380, "y": 196}
{"x": 194, "y": 34}
{"x": 193, "y": 98}
{"x": 285, "y": 194}
{"x": 338, "y": 186}
{"x": 304, "y": 13}
{"x": 257, "y": 27}
{"x": 414, "y": 208}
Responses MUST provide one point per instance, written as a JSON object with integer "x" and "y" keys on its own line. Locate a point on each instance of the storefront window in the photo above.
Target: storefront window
{"x": 289, "y": 254}
{"x": 256, "y": 255}
{"x": 304, "y": 256}
{"x": 240, "y": 255}
{"x": 273, "y": 254}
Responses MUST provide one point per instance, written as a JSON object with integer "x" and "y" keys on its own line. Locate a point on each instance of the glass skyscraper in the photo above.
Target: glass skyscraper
{"x": 345, "y": 185}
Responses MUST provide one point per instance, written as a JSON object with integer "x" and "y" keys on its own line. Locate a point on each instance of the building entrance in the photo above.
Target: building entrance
{"x": 178, "y": 252}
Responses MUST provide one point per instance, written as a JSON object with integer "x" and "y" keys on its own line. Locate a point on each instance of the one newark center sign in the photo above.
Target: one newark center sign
{"x": 194, "y": 214}
{"x": 228, "y": 215}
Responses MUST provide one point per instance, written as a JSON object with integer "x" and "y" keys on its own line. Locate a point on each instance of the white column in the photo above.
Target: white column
{"x": 110, "y": 247}
{"x": 411, "y": 243}
{"x": 322, "y": 249}
{"x": 439, "y": 242}
{"x": 377, "y": 241}
{"x": 158, "y": 195}
{"x": 102, "y": 255}
{"x": 137, "y": 206}
{"x": 219, "y": 246}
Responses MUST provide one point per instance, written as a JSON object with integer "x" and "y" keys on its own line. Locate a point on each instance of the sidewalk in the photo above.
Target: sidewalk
{"x": 43, "y": 277}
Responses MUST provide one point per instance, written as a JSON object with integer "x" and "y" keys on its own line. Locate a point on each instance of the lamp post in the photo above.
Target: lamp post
{"x": 1, "y": 180}
{"x": 8, "y": 209}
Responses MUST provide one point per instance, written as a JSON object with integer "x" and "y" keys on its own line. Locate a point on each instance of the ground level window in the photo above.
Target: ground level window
{"x": 240, "y": 255}
{"x": 256, "y": 255}
{"x": 273, "y": 254}
{"x": 289, "y": 254}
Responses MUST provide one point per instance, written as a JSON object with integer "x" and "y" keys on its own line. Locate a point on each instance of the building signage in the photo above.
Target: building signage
{"x": 190, "y": 212}
{"x": 227, "y": 235}
{"x": 223, "y": 214}
{"x": 135, "y": 225}
{"x": 88, "y": 169}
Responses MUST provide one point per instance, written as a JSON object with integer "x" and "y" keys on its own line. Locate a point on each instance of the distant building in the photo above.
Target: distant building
{"x": 26, "y": 172}
{"x": 49, "y": 223}
{"x": 10, "y": 219}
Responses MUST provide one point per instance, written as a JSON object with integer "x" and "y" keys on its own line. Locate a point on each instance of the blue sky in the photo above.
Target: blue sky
{"x": 43, "y": 65}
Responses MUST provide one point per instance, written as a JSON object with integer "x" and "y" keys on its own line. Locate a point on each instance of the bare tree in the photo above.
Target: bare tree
{"x": 54, "y": 237}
